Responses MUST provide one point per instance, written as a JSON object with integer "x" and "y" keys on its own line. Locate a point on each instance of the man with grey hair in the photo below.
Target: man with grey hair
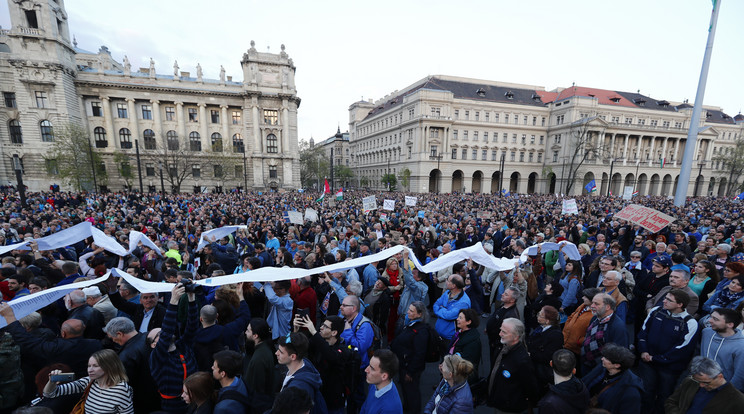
{"x": 605, "y": 327}
{"x": 705, "y": 391}
{"x": 135, "y": 356}
{"x": 100, "y": 302}
{"x": 79, "y": 309}
{"x": 678, "y": 279}
{"x": 512, "y": 380}
{"x": 610, "y": 285}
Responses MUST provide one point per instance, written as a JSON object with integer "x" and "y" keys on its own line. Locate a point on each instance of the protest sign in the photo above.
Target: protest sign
{"x": 369, "y": 203}
{"x": 421, "y": 214}
{"x": 311, "y": 215}
{"x": 570, "y": 207}
{"x": 411, "y": 201}
{"x": 628, "y": 192}
{"x": 294, "y": 217}
{"x": 388, "y": 205}
{"x": 648, "y": 218}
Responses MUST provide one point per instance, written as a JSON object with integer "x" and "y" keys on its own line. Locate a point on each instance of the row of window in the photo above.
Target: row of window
{"x": 496, "y": 117}
{"x": 494, "y": 155}
{"x": 41, "y": 97}
{"x": 271, "y": 116}
{"x": 16, "y": 132}
{"x": 125, "y": 140}
{"x": 505, "y": 137}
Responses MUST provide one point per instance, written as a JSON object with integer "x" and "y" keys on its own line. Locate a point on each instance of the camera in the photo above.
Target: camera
{"x": 189, "y": 285}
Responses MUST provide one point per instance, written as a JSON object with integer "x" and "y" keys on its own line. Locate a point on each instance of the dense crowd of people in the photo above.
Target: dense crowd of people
{"x": 637, "y": 322}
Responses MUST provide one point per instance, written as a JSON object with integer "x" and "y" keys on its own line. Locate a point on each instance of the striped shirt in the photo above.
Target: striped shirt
{"x": 116, "y": 399}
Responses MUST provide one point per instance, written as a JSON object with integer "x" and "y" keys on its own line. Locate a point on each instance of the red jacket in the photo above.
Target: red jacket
{"x": 306, "y": 299}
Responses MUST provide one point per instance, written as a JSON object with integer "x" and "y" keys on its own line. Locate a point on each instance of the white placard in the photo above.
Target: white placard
{"x": 311, "y": 215}
{"x": 628, "y": 192}
{"x": 369, "y": 203}
{"x": 295, "y": 217}
{"x": 569, "y": 207}
{"x": 411, "y": 201}
{"x": 388, "y": 205}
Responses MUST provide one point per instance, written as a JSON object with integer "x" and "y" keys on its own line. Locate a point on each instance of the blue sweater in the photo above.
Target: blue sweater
{"x": 447, "y": 310}
{"x": 388, "y": 403}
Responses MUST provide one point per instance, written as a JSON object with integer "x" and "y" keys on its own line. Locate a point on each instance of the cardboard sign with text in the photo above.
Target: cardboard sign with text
{"x": 648, "y": 218}
{"x": 388, "y": 205}
{"x": 411, "y": 201}
{"x": 369, "y": 203}
{"x": 570, "y": 207}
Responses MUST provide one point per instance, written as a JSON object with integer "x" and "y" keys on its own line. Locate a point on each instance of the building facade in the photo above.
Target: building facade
{"x": 336, "y": 148}
{"x": 470, "y": 135}
{"x": 203, "y": 134}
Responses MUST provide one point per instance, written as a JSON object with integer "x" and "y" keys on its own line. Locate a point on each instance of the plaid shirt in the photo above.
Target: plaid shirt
{"x": 594, "y": 340}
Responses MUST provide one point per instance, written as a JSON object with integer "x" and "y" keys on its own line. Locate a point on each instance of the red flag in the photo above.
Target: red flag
{"x": 327, "y": 189}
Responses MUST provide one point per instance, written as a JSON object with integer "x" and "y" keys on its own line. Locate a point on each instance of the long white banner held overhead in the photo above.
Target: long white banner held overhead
{"x": 26, "y": 304}
{"x": 569, "y": 248}
{"x": 136, "y": 237}
{"x": 217, "y": 233}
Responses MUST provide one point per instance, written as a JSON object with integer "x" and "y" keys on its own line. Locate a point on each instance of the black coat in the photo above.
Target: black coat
{"x": 73, "y": 352}
{"x": 409, "y": 345}
{"x": 138, "y": 312}
{"x": 568, "y": 397}
{"x": 329, "y": 361}
{"x": 93, "y": 320}
{"x": 541, "y": 347}
{"x": 135, "y": 356}
{"x": 514, "y": 381}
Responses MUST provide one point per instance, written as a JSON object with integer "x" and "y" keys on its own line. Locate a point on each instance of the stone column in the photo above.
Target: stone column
{"x": 157, "y": 128}
{"x": 625, "y": 152}
{"x": 203, "y": 126}
{"x": 108, "y": 118}
{"x": 132, "y": 120}
{"x": 709, "y": 151}
{"x": 612, "y": 146}
{"x": 285, "y": 128}
{"x": 226, "y": 138}
{"x": 257, "y": 147}
{"x": 651, "y": 152}
{"x": 181, "y": 125}
{"x": 676, "y": 151}
{"x": 664, "y": 148}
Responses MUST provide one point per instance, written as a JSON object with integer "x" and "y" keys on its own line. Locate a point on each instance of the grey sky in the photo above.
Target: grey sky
{"x": 346, "y": 50}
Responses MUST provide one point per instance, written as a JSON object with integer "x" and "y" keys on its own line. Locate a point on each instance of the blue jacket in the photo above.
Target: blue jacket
{"x": 230, "y": 406}
{"x": 447, "y": 310}
{"x": 670, "y": 339}
{"x": 228, "y": 334}
{"x": 413, "y": 291}
{"x": 622, "y": 398}
{"x": 714, "y": 302}
{"x": 370, "y": 277}
{"x": 458, "y": 401}
{"x": 360, "y": 336}
{"x": 308, "y": 379}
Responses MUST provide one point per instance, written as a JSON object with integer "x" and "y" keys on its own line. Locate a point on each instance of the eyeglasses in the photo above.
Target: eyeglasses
{"x": 324, "y": 326}
{"x": 701, "y": 382}
{"x": 343, "y": 305}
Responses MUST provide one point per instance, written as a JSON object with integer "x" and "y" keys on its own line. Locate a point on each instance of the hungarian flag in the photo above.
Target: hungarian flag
{"x": 635, "y": 193}
{"x": 340, "y": 194}
{"x": 326, "y": 190}
{"x": 662, "y": 161}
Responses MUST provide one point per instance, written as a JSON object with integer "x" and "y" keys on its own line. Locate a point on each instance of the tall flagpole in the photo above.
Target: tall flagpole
{"x": 689, "y": 155}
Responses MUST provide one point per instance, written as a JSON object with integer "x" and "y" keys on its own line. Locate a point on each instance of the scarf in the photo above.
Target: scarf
{"x": 727, "y": 297}
{"x": 497, "y": 364}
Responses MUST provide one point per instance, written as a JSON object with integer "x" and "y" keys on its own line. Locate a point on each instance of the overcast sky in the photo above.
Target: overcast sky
{"x": 346, "y": 50}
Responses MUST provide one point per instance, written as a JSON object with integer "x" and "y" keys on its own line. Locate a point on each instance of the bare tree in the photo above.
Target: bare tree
{"x": 732, "y": 166}
{"x": 174, "y": 161}
{"x": 223, "y": 163}
{"x": 582, "y": 146}
{"x": 72, "y": 158}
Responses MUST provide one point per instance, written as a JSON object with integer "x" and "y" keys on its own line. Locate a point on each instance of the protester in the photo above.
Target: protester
{"x": 705, "y": 391}
{"x": 724, "y": 343}
{"x": 467, "y": 340}
{"x": 453, "y": 392}
{"x": 198, "y": 393}
{"x": 612, "y": 384}
{"x": 410, "y": 340}
{"x": 292, "y": 352}
{"x": 512, "y": 381}
{"x": 232, "y": 396}
{"x": 382, "y": 396}
{"x": 567, "y": 394}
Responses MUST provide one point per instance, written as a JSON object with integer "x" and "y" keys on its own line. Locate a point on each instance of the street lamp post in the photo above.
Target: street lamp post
{"x": 162, "y": 183}
{"x": 501, "y": 173}
{"x": 700, "y": 175}
{"x": 19, "y": 178}
{"x": 438, "y": 157}
{"x": 245, "y": 171}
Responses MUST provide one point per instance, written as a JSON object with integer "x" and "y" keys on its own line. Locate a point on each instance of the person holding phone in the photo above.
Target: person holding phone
{"x": 105, "y": 390}
{"x": 328, "y": 352}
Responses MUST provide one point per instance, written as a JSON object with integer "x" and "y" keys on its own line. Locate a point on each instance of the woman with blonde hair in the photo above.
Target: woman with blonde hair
{"x": 105, "y": 389}
{"x": 453, "y": 394}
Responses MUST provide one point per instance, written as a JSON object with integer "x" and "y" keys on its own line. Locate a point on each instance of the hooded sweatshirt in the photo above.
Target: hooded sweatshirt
{"x": 728, "y": 352}
{"x": 309, "y": 380}
{"x": 565, "y": 398}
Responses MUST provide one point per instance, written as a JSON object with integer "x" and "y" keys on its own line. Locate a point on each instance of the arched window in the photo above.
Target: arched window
{"x": 194, "y": 141}
{"x": 16, "y": 135}
{"x": 238, "y": 146}
{"x": 271, "y": 144}
{"x": 149, "y": 137}
{"x": 125, "y": 138}
{"x": 100, "y": 136}
{"x": 47, "y": 133}
{"x": 172, "y": 139}
{"x": 216, "y": 142}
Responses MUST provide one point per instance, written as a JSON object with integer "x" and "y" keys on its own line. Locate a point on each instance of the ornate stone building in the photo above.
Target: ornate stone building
{"x": 339, "y": 143}
{"x": 203, "y": 133}
{"x": 460, "y": 134}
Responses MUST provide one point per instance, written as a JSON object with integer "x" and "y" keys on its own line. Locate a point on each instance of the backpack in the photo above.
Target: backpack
{"x": 236, "y": 395}
{"x": 352, "y": 361}
{"x": 435, "y": 345}
{"x": 376, "y": 338}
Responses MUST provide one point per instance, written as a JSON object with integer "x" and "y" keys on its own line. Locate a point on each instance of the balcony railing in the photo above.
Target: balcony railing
{"x": 648, "y": 127}
{"x": 30, "y": 31}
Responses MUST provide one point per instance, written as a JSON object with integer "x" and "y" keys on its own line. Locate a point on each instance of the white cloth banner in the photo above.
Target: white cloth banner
{"x": 388, "y": 205}
{"x": 311, "y": 215}
{"x": 218, "y": 233}
{"x": 136, "y": 237}
{"x": 31, "y": 303}
{"x": 570, "y": 207}
{"x": 411, "y": 201}
{"x": 369, "y": 203}
{"x": 569, "y": 248}
{"x": 17, "y": 246}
